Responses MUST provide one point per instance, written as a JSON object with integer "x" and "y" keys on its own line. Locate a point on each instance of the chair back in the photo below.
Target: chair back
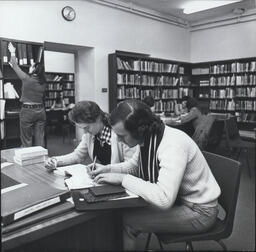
{"x": 227, "y": 173}
{"x": 215, "y": 135}
{"x": 231, "y": 128}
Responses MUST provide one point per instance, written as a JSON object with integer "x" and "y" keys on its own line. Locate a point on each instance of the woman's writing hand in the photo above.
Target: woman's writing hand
{"x": 111, "y": 178}
{"x": 51, "y": 164}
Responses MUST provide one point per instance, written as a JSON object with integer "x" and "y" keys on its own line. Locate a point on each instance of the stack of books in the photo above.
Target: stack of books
{"x": 30, "y": 155}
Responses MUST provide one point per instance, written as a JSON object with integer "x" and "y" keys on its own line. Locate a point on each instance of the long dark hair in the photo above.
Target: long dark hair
{"x": 137, "y": 117}
{"x": 87, "y": 112}
{"x": 39, "y": 72}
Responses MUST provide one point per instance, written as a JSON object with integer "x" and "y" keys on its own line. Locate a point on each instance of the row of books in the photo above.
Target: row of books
{"x": 123, "y": 93}
{"x": 55, "y": 77}
{"x": 222, "y": 93}
{"x": 146, "y": 80}
{"x": 246, "y": 92}
{"x": 167, "y": 106}
{"x": 148, "y": 66}
{"x": 246, "y": 105}
{"x": 60, "y": 86}
{"x": 156, "y": 93}
{"x": 235, "y": 67}
{"x": 49, "y": 103}
{"x": 246, "y": 117}
{"x": 246, "y": 79}
{"x": 222, "y": 105}
{"x": 24, "y": 53}
{"x": 223, "y": 81}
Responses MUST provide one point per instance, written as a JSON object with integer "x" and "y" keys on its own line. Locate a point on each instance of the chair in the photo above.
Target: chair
{"x": 215, "y": 134}
{"x": 227, "y": 172}
{"x": 234, "y": 142}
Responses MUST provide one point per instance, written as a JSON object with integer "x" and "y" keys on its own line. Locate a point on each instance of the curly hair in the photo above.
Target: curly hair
{"x": 87, "y": 112}
{"x": 137, "y": 117}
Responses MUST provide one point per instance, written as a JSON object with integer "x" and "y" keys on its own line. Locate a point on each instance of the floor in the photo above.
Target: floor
{"x": 243, "y": 236}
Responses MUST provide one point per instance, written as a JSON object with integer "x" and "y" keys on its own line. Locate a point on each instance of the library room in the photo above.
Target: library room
{"x": 128, "y": 125}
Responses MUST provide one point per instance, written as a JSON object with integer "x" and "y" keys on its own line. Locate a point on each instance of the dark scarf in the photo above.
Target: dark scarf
{"x": 149, "y": 165}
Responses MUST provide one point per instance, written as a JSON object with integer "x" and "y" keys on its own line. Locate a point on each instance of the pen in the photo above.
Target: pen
{"x": 94, "y": 163}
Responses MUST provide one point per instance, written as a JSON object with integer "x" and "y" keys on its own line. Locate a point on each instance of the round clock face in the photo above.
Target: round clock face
{"x": 68, "y": 13}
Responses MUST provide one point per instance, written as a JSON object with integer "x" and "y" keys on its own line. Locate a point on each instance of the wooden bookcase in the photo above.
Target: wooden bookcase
{"x": 27, "y": 52}
{"x": 228, "y": 86}
{"x": 133, "y": 75}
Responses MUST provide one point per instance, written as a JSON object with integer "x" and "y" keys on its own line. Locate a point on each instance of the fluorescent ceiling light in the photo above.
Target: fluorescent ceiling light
{"x": 196, "y": 6}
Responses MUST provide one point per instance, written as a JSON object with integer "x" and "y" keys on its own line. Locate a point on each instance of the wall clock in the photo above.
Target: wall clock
{"x": 68, "y": 13}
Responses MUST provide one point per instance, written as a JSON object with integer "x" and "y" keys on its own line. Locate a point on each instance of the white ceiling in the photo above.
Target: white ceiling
{"x": 174, "y": 8}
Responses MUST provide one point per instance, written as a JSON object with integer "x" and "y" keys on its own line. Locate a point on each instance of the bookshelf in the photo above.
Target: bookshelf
{"x": 133, "y": 75}
{"x": 27, "y": 53}
{"x": 59, "y": 84}
{"x": 229, "y": 87}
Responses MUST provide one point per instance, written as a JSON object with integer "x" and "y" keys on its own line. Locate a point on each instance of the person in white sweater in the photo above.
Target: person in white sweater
{"x": 98, "y": 141}
{"x": 174, "y": 177}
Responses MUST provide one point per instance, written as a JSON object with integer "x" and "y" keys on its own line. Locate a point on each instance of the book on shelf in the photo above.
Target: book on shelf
{"x": 2, "y": 109}
{"x": 18, "y": 202}
{"x": 39, "y": 54}
{"x": 24, "y": 54}
{"x": 9, "y": 91}
{"x": 30, "y": 56}
{"x": 19, "y": 53}
{"x": 5, "y": 53}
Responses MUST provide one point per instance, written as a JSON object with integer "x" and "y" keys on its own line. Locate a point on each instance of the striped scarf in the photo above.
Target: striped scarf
{"x": 149, "y": 165}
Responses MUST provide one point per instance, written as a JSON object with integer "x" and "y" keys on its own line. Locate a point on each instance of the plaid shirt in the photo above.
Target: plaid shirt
{"x": 105, "y": 136}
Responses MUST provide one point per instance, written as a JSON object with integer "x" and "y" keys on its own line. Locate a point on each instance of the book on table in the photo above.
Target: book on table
{"x": 20, "y": 199}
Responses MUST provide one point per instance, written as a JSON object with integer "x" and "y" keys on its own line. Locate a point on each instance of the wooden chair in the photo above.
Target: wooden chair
{"x": 234, "y": 142}
{"x": 227, "y": 172}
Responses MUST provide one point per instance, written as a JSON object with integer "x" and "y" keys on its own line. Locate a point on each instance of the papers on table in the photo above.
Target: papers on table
{"x": 79, "y": 176}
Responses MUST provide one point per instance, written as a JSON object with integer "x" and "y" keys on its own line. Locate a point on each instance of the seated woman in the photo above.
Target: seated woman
{"x": 98, "y": 141}
{"x": 174, "y": 177}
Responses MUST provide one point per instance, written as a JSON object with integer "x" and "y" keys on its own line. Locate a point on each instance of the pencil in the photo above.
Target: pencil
{"x": 94, "y": 162}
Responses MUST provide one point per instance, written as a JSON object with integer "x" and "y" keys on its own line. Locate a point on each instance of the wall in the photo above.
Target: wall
{"x": 105, "y": 29}
{"x": 226, "y": 42}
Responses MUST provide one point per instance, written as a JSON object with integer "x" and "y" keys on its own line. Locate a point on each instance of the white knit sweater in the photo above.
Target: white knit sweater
{"x": 184, "y": 173}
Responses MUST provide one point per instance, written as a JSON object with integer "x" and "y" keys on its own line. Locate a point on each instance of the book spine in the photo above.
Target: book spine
{"x": 13, "y": 217}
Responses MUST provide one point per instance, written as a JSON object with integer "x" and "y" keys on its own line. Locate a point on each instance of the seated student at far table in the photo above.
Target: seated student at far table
{"x": 201, "y": 123}
{"x": 98, "y": 141}
{"x": 174, "y": 177}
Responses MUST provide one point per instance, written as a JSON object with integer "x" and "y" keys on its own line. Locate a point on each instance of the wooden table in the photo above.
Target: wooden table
{"x": 61, "y": 227}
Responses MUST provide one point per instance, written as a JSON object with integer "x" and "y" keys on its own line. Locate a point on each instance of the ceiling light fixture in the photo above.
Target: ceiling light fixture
{"x": 196, "y": 6}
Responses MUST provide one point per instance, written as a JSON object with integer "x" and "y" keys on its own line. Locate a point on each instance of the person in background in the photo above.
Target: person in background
{"x": 201, "y": 123}
{"x": 59, "y": 103}
{"x": 180, "y": 108}
{"x": 97, "y": 141}
{"x": 149, "y": 100}
{"x": 174, "y": 177}
{"x": 32, "y": 114}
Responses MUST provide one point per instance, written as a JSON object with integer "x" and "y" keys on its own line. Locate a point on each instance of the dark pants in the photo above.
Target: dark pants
{"x": 32, "y": 123}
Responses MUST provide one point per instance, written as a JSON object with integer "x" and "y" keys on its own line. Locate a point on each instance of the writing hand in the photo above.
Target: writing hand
{"x": 51, "y": 164}
{"x": 111, "y": 178}
{"x": 99, "y": 168}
